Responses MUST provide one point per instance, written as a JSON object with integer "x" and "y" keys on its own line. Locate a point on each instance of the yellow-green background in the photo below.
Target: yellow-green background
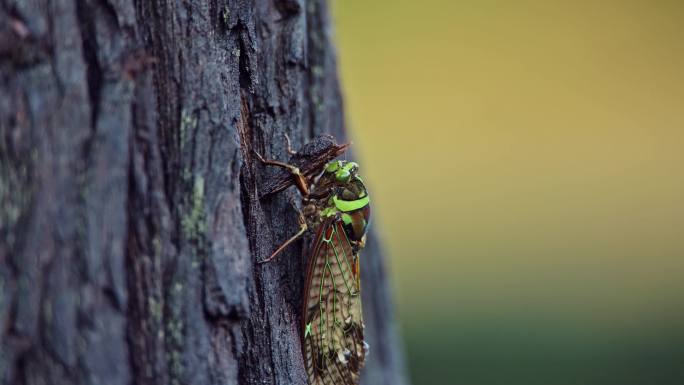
{"x": 525, "y": 160}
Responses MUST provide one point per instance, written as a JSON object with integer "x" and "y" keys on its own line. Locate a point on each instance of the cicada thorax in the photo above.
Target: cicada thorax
{"x": 346, "y": 198}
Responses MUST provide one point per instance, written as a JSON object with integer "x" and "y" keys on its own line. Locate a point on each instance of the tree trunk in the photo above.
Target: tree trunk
{"x": 130, "y": 217}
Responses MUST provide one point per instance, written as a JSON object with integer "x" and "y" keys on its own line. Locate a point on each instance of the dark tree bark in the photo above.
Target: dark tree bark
{"x": 130, "y": 216}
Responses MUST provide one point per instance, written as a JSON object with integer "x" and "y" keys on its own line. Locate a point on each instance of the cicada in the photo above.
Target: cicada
{"x": 336, "y": 208}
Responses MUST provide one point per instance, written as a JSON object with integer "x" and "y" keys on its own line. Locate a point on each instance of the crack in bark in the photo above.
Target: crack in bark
{"x": 86, "y": 18}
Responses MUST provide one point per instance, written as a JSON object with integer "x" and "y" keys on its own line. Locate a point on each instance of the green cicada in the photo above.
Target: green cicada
{"x": 336, "y": 208}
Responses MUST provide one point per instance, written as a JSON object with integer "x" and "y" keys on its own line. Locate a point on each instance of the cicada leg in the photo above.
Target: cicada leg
{"x": 302, "y": 229}
{"x": 302, "y": 184}
{"x": 301, "y": 181}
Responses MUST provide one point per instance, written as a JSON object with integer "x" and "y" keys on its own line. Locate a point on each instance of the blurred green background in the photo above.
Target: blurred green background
{"x": 525, "y": 159}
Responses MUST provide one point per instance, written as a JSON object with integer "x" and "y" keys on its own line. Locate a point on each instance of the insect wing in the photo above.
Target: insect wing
{"x": 333, "y": 327}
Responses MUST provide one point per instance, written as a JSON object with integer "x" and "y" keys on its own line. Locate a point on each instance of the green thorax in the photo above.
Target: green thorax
{"x": 340, "y": 192}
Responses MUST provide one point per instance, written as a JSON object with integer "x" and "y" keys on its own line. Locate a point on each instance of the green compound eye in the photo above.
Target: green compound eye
{"x": 343, "y": 173}
{"x": 332, "y": 166}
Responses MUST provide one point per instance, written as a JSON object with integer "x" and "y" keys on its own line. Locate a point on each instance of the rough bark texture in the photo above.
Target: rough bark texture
{"x": 130, "y": 217}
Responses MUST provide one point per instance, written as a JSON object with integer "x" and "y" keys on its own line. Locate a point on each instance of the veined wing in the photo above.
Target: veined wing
{"x": 333, "y": 326}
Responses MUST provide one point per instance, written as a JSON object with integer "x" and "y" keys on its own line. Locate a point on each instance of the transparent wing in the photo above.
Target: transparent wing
{"x": 333, "y": 326}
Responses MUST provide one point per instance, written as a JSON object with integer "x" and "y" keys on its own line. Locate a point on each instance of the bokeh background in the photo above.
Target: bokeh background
{"x": 525, "y": 160}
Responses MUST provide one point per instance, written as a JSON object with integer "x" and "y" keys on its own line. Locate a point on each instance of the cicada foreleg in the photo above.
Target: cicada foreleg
{"x": 301, "y": 181}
